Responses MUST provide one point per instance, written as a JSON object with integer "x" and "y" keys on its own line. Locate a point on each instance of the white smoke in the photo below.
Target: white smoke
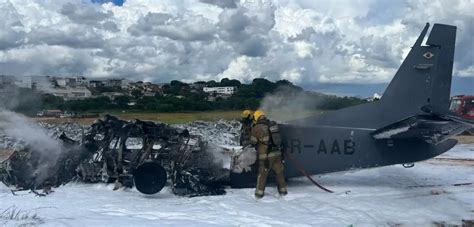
{"x": 287, "y": 103}
{"x": 21, "y": 128}
{"x": 9, "y": 97}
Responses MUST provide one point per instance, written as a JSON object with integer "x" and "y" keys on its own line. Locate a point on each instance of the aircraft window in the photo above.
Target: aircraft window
{"x": 455, "y": 104}
{"x": 134, "y": 143}
{"x": 470, "y": 104}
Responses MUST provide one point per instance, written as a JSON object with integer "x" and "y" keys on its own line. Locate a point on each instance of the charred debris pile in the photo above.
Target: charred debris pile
{"x": 195, "y": 159}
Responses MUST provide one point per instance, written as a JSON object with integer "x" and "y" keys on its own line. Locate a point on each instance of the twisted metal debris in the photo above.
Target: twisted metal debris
{"x": 126, "y": 153}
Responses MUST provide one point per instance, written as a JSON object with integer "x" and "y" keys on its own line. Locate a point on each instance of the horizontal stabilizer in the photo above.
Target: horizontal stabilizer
{"x": 446, "y": 114}
{"x": 430, "y": 128}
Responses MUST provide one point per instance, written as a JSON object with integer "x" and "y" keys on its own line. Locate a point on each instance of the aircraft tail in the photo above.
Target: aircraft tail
{"x": 424, "y": 78}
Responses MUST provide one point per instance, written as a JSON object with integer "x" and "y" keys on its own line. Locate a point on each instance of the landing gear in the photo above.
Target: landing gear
{"x": 150, "y": 178}
{"x": 408, "y": 165}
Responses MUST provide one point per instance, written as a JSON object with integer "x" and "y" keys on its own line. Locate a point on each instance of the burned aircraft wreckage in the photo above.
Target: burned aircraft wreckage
{"x": 410, "y": 123}
{"x": 137, "y": 153}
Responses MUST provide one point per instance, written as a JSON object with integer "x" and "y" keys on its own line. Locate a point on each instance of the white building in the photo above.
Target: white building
{"x": 96, "y": 83}
{"x": 375, "y": 97}
{"x": 121, "y": 83}
{"x": 71, "y": 93}
{"x": 82, "y": 81}
{"x": 61, "y": 82}
{"x": 220, "y": 90}
{"x": 23, "y": 82}
{"x": 71, "y": 81}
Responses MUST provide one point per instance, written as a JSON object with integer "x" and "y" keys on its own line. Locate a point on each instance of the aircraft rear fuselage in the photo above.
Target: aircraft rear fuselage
{"x": 410, "y": 123}
{"x": 396, "y": 129}
{"x": 326, "y": 149}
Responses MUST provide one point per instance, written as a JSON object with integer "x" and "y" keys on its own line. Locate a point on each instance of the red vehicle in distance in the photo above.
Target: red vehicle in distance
{"x": 464, "y": 106}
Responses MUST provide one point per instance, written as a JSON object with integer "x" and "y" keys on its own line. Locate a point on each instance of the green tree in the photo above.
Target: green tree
{"x": 137, "y": 94}
{"x": 122, "y": 102}
{"x": 225, "y": 82}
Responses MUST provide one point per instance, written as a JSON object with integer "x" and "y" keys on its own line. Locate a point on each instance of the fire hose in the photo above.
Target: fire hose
{"x": 303, "y": 172}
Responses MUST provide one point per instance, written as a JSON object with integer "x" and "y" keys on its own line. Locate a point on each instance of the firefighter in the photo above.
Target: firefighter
{"x": 246, "y": 120}
{"x": 266, "y": 137}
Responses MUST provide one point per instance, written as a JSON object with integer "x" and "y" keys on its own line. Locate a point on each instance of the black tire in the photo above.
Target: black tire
{"x": 149, "y": 178}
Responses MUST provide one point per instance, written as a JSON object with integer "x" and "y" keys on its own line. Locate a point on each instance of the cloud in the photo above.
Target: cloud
{"x": 145, "y": 24}
{"x": 221, "y": 3}
{"x": 74, "y": 36}
{"x": 247, "y": 30}
{"x": 85, "y": 13}
{"x": 110, "y": 26}
{"x": 241, "y": 69}
{"x": 12, "y": 32}
{"x": 45, "y": 60}
{"x": 253, "y": 47}
{"x": 456, "y": 12}
{"x": 306, "y": 41}
{"x": 165, "y": 25}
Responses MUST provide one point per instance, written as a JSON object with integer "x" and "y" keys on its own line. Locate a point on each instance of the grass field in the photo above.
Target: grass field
{"x": 179, "y": 118}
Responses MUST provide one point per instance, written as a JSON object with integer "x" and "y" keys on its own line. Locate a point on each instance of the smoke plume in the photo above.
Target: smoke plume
{"x": 48, "y": 150}
{"x": 287, "y": 103}
{"x": 9, "y": 97}
{"x": 19, "y": 99}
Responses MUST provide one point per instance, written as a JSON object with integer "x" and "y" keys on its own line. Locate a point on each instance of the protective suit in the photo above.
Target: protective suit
{"x": 265, "y": 137}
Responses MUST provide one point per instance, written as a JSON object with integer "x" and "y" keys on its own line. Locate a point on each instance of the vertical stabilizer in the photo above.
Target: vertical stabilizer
{"x": 424, "y": 78}
{"x": 443, "y": 37}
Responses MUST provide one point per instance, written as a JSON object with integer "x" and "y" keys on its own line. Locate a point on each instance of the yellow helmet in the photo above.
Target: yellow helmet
{"x": 258, "y": 114}
{"x": 246, "y": 113}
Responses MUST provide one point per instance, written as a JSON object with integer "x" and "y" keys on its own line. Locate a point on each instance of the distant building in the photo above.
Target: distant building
{"x": 82, "y": 81}
{"x": 112, "y": 95}
{"x": 24, "y": 82}
{"x": 78, "y": 81}
{"x": 71, "y": 82}
{"x": 121, "y": 83}
{"x": 49, "y": 113}
{"x": 147, "y": 88}
{"x": 7, "y": 80}
{"x": 220, "y": 90}
{"x": 61, "y": 82}
{"x": 149, "y": 94}
{"x": 375, "y": 97}
{"x": 70, "y": 93}
{"x": 96, "y": 83}
{"x": 135, "y": 86}
{"x": 113, "y": 83}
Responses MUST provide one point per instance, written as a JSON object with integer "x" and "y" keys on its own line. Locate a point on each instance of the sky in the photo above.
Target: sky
{"x": 351, "y": 47}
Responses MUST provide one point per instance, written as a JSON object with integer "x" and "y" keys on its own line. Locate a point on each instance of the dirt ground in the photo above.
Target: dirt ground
{"x": 5, "y": 154}
{"x": 465, "y": 139}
